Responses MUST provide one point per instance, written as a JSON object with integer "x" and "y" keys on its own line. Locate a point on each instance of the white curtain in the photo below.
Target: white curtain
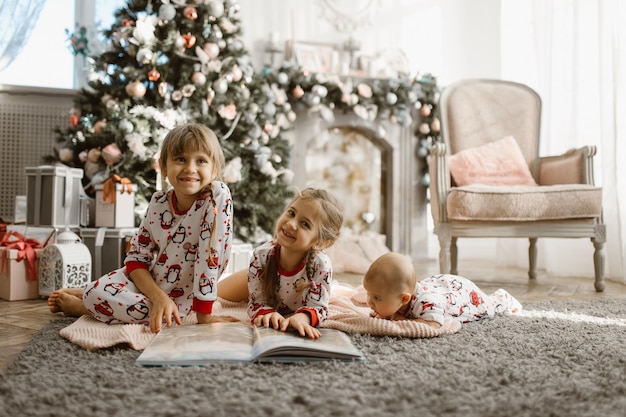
{"x": 17, "y": 20}
{"x": 573, "y": 52}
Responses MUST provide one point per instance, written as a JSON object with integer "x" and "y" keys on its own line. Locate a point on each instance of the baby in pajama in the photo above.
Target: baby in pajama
{"x": 394, "y": 293}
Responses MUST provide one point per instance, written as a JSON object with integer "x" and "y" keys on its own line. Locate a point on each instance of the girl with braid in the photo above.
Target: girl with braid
{"x": 289, "y": 277}
{"x": 180, "y": 250}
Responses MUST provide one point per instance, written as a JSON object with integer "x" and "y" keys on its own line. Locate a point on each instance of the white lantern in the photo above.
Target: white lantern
{"x": 64, "y": 264}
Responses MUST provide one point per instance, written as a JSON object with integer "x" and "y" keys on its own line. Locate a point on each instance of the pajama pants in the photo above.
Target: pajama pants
{"x": 114, "y": 298}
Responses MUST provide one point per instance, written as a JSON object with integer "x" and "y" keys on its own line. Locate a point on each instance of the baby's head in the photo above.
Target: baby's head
{"x": 390, "y": 282}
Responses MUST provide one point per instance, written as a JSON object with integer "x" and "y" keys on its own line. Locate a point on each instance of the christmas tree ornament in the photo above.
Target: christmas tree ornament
{"x": 126, "y": 126}
{"x": 211, "y": 49}
{"x": 215, "y": 8}
{"x": 190, "y": 13}
{"x": 144, "y": 56}
{"x": 111, "y": 154}
{"x": 210, "y": 95}
{"x": 391, "y": 98}
{"x": 73, "y": 119}
{"x": 198, "y": 78}
{"x": 189, "y": 40}
{"x": 220, "y": 86}
{"x": 154, "y": 75}
{"x": 435, "y": 125}
{"x": 236, "y": 73}
{"x": 297, "y": 92}
{"x": 64, "y": 264}
{"x": 282, "y": 78}
{"x": 167, "y": 12}
{"x": 98, "y": 127}
{"x": 135, "y": 89}
{"x": 162, "y": 89}
{"x": 425, "y": 110}
{"x": 93, "y": 155}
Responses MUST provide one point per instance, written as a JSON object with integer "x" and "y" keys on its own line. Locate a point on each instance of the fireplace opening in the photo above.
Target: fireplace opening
{"x": 350, "y": 163}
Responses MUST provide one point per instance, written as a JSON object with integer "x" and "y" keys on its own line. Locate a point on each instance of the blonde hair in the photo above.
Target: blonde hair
{"x": 193, "y": 137}
{"x": 395, "y": 271}
{"x": 328, "y": 232}
{"x": 196, "y": 137}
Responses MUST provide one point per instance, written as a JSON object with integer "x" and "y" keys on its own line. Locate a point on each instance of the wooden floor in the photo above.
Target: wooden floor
{"x": 20, "y": 320}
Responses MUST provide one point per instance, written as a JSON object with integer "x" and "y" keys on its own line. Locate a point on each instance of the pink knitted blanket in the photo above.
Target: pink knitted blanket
{"x": 346, "y": 313}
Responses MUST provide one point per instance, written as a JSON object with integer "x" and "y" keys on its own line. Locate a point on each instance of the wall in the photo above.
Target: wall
{"x": 452, "y": 39}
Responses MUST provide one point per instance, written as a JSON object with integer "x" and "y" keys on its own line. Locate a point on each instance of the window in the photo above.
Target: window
{"x": 46, "y": 61}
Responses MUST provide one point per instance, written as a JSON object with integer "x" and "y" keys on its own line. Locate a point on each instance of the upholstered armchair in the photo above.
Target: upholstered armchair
{"x": 488, "y": 180}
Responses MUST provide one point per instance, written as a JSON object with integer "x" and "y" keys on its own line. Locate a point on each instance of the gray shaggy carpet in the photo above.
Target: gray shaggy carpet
{"x": 561, "y": 358}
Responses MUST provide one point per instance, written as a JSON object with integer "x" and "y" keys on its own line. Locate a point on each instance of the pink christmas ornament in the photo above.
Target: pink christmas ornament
{"x": 211, "y": 49}
{"x": 135, "y": 89}
{"x": 297, "y": 92}
{"x": 425, "y": 110}
{"x": 198, "y": 78}
{"x": 435, "y": 125}
{"x": 111, "y": 154}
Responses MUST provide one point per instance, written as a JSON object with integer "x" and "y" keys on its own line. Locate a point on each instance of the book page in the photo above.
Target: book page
{"x": 289, "y": 346}
{"x": 199, "y": 344}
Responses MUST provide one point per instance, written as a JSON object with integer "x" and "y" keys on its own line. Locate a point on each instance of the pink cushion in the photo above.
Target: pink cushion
{"x": 494, "y": 163}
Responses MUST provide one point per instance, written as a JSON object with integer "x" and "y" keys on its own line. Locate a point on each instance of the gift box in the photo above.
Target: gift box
{"x": 53, "y": 195}
{"x": 240, "y": 255}
{"x": 19, "y": 263}
{"x": 115, "y": 203}
{"x": 107, "y": 247}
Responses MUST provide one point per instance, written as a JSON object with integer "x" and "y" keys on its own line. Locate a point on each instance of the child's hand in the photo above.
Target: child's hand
{"x": 210, "y": 318}
{"x": 274, "y": 319}
{"x": 163, "y": 307}
{"x": 302, "y": 323}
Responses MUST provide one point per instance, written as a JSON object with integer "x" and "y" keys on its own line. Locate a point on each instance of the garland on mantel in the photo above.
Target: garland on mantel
{"x": 397, "y": 100}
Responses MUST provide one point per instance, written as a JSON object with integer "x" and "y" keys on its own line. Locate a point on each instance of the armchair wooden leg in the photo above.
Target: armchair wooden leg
{"x": 598, "y": 264}
{"x": 454, "y": 253}
{"x": 444, "y": 254}
{"x": 532, "y": 258}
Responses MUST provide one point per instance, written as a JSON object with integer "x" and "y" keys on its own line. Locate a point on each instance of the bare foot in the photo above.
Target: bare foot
{"x": 68, "y": 301}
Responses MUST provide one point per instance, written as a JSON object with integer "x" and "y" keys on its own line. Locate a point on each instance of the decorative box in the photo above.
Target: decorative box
{"x": 17, "y": 280}
{"x": 64, "y": 264}
{"x": 52, "y": 195}
{"x": 115, "y": 203}
{"x": 107, "y": 247}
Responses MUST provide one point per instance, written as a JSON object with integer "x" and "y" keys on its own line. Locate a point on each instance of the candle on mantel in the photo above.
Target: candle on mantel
{"x": 273, "y": 39}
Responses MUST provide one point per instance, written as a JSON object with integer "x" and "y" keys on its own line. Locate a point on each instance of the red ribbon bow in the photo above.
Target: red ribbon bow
{"x": 108, "y": 189}
{"x": 25, "y": 250}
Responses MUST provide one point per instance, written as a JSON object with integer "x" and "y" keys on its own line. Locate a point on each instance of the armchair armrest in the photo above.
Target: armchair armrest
{"x": 573, "y": 167}
{"x": 439, "y": 182}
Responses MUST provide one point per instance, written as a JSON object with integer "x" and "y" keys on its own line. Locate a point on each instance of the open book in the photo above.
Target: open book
{"x": 201, "y": 344}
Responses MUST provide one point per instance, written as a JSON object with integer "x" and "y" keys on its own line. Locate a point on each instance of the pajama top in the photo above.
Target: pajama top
{"x": 313, "y": 299}
{"x": 178, "y": 250}
{"x": 457, "y": 297}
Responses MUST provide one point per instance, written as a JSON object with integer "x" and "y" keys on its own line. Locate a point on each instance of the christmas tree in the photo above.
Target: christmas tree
{"x": 168, "y": 63}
